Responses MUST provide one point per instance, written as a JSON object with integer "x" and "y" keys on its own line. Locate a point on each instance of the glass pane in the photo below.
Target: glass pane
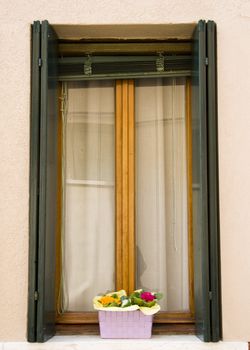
{"x": 161, "y": 190}
{"x": 89, "y": 193}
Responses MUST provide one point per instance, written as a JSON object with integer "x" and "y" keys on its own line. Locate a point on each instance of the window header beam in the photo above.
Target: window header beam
{"x": 78, "y": 49}
{"x": 180, "y": 73}
{"x": 123, "y": 67}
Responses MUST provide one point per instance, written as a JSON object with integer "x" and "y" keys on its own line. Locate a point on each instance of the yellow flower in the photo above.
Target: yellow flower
{"x": 106, "y": 300}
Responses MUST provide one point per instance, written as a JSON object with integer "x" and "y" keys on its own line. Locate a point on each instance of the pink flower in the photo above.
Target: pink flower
{"x": 147, "y": 296}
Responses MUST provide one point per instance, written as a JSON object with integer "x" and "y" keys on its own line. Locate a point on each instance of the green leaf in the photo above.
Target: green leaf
{"x": 134, "y": 295}
{"x": 150, "y": 303}
{"x": 158, "y": 296}
{"x": 137, "y": 301}
{"x": 113, "y": 304}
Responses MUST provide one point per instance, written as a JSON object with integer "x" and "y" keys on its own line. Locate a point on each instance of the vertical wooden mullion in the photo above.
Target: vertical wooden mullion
{"x": 125, "y": 217}
{"x": 190, "y": 195}
{"x": 131, "y": 185}
{"x": 118, "y": 185}
{"x": 125, "y": 242}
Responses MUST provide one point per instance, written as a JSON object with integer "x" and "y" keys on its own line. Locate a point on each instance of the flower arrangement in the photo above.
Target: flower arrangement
{"x": 140, "y": 299}
{"x": 127, "y": 316}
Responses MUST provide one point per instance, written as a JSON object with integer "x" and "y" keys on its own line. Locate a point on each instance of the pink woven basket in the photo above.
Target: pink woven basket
{"x": 125, "y": 324}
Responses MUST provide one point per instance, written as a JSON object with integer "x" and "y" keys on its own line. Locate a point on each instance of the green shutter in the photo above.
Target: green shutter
{"x": 34, "y": 180}
{"x": 48, "y": 185}
{"x": 43, "y": 183}
{"x": 200, "y": 184}
{"x": 213, "y": 184}
{"x": 205, "y": 184}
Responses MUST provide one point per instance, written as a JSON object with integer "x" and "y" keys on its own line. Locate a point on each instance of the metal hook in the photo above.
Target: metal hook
{"x": 88, "y": 66}
{"x": 160, "y": 63}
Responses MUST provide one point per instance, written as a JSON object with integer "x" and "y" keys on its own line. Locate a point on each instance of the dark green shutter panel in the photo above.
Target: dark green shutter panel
{"x": 200, "y": 184}
{"x": 43, "y": 183}
{"x": 34, "y": 180}
{"x": 205, "y": 184}
{"x": 47, "y": 185}
{"x": 213, "y": 187}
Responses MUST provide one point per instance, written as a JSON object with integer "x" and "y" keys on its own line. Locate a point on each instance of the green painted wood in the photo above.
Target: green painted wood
{"x": 121, "y": 59}
{"x": 180, "y": 73}
{"x": 74, "y": 49}
{"x": 48, "y": 185}
{"x": 200, "y": 183}
{"x": 213, "y": 184}
{"x": 123, "y": 67}
{"x": 34, "y": 181}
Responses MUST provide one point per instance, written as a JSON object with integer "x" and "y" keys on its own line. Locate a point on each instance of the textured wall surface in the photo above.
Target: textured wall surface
{"x": 233, "y": 20}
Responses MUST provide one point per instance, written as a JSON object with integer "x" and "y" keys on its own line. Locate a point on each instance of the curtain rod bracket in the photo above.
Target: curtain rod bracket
{"x": 88, "y": 66}
{"x": 160, "y": 63}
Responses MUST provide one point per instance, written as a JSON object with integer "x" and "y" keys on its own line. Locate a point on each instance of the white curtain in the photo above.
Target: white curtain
{"x": 89, "y": 192}
{"x": 161, "y": 190}
{"x": 89, "y": 198}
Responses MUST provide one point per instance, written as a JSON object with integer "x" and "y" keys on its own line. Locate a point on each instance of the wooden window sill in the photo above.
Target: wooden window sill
{"x": 76, "y": 323}
{"x": 158, "y": 329}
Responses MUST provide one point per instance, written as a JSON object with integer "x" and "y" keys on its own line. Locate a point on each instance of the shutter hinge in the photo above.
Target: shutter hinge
{"x": 206, "y": 61}
{"x": 36, "y": 295}
{"x": 210, "y": 295}
{"x": 40, "y": 62}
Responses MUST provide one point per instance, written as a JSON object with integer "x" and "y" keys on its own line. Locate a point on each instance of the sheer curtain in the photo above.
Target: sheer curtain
{"x": 88, "y": 261}
{"x": 161, "y": 190}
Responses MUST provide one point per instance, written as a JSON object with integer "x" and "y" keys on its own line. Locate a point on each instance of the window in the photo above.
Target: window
{"x": 126, "y": 227}
{"x": 130, "y": 95}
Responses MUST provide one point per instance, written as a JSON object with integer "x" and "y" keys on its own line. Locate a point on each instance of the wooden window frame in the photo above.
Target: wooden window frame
{"x": 164, "y": 322}
{"x": 44, "y": 208}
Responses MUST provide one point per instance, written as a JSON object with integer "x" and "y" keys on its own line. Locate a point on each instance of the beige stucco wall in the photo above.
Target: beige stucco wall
{"x": 233, "y": 20}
